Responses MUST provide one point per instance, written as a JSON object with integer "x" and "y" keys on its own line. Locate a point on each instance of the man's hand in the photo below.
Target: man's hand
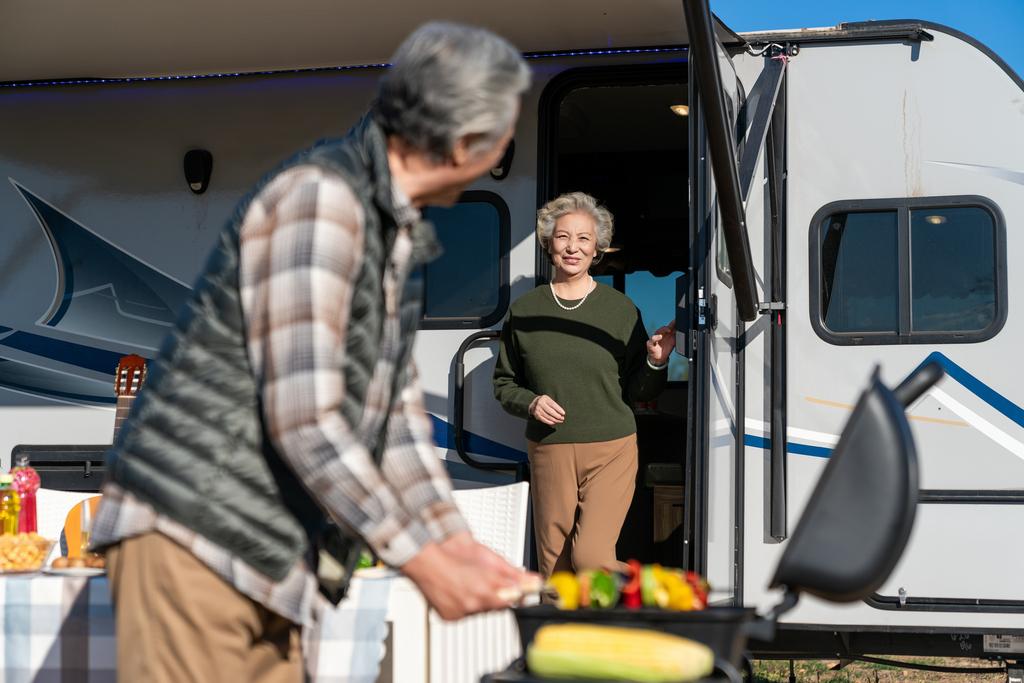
{"x": 463, "y": 546}
{"x": 462, "y": 581}
{"x": 545, "y": 409}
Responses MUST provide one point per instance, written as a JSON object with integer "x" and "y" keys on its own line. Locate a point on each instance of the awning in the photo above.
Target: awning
{"x": 65, "y": 39}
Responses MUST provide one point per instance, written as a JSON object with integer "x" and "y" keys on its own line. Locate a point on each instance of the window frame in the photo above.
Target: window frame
{"x": 903, "y": 206}
{"x": 504, "y": 249}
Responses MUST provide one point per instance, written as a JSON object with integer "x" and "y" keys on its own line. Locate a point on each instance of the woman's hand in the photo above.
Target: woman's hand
{"x": 544, "y": 409}
{"x": 661, "y": 344}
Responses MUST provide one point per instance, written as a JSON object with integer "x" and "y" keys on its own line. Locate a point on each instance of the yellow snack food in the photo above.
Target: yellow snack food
{"x": 23, "y": 552}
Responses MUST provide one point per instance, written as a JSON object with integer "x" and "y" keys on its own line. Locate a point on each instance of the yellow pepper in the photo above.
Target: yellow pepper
{"x": 680, "y": 595}
{"x": 568, "y": 589}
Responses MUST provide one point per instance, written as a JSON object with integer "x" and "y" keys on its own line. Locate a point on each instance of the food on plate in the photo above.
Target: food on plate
{"x": 96, "y": 562}
{"x": 23, "y": 552}
{"x": 641, "y": 585}
{"x": 76, "y": 563}
{"x": 60, "y": 563}
{"x": 584, "y": 651}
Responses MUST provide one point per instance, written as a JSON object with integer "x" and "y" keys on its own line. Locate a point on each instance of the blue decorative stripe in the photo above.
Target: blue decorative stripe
{"x": 791, "y": 447}
{"x": 804, "y": 449}
{"x": 78, "y": 355}
{"x": 978, "y": 388}
{"x": 40, "y": 391}
{"x": 444, "y": 436}
{"x": 757, "y": 441}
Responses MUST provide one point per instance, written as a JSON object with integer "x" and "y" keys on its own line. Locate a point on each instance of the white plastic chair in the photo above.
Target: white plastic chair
{"x": 52, "y": 508}
{"x": 463, "y": 651}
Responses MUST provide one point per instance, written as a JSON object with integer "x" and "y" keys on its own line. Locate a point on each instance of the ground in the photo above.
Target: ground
{"x": 825, "y": 671}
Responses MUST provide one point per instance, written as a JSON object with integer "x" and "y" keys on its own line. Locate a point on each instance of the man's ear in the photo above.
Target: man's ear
{"x": 460, "y": 155}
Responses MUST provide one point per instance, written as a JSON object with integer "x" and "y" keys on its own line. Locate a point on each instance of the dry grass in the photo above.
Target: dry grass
{"x": 825, "y": 671}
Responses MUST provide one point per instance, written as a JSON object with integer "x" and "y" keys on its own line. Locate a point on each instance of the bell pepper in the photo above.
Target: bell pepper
{"x": 604, "y": 592}
{"x": 680, "y": 595}
{"x": 631, "y": 597}
{"x": 568, "y": 589}
{"x": 701, "y": 588}
{"x": 584, "y": 580}
{"x": 648, "y": 584}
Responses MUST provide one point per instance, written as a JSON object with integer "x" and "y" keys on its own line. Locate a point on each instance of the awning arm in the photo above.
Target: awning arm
{"x": 759, "y": 127}
{"x": 704, "y": 58}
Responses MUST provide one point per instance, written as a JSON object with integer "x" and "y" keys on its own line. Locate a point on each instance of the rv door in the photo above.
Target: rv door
{"x": 723, "y": 294}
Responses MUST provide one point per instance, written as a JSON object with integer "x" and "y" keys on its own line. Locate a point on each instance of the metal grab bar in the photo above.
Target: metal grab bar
{"x": 522, "y": 469}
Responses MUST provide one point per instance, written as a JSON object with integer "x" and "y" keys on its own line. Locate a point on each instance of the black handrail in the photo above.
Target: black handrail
{"x": 522, "y": 469}
{"x": 704, "y": 58}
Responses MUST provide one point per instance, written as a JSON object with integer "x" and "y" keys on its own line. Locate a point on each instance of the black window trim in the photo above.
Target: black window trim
{"x": 504, "y": 249}
{"x": 903, "y": 205}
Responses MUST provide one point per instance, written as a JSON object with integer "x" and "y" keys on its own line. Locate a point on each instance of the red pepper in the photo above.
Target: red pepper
{"x": 700, "y": 590}
{"x": 631, "y": 591}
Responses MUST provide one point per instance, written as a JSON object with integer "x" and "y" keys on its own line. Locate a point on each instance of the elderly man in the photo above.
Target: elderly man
{"x": 283, "y": 419}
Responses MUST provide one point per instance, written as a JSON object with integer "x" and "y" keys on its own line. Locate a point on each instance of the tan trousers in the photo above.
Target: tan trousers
{"x": 177, "y": 621}
{"x": 581, "y": 493}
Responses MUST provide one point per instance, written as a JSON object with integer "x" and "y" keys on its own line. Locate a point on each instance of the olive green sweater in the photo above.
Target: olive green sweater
{"x": 592, "y": 361}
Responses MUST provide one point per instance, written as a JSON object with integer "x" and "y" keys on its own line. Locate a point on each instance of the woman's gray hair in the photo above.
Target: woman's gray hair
{"x": 448, "y": 81}
{"x": 576, "y": 202}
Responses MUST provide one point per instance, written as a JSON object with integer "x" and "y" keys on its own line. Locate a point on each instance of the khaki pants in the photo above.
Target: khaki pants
{"x": 179, "y": 622}
{"x": 581, "y": 493}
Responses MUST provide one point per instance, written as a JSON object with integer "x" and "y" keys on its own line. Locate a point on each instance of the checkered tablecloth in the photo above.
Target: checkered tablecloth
{"x": 61, "y": 630}
{"x": 57, "y": 630}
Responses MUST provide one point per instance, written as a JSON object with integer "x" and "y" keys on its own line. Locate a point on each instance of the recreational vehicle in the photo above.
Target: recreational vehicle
{"x": 809, "y": 205}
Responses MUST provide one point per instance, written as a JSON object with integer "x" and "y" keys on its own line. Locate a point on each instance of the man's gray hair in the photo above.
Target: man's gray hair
{"x": 576, "y": 202}
{"x": 448, "y": 81}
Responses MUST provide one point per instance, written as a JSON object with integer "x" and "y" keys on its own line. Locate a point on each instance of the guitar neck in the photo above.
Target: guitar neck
{"x": 124, "y": 406}
{"x": 128, "y": 379}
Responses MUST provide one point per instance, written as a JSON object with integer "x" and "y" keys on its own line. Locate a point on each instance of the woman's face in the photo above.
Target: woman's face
{"x": 573, "y": 244}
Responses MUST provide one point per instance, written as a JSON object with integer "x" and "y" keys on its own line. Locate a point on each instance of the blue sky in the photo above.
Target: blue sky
{"x": 996, "y": 23}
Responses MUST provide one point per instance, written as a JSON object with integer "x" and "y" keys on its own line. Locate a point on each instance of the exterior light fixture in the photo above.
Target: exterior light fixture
{"x": 501, "y": 171}
{"x": 935, "y": 220}
{"x": 198, "y": 167}
{"x": 680, "y": 109}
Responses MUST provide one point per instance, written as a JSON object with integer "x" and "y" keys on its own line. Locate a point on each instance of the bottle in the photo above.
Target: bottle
{"x": 86, "y": 527}
{"x": 10, "y": 506}
{"x": 26, "y": 483}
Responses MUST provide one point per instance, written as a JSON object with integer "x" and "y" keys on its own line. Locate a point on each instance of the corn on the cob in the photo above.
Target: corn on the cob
{"x": 611, "y": 653}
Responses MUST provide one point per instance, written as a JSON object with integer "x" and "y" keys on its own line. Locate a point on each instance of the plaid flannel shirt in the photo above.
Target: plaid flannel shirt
{"x": 300, "y": 253}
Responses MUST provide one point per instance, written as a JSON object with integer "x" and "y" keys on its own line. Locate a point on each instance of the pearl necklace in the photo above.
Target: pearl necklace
{"x": 571, "y": 308}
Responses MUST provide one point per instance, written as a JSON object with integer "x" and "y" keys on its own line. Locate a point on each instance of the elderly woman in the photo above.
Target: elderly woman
{"x": 282, "y": 420}
{"x": 574, "y": 357}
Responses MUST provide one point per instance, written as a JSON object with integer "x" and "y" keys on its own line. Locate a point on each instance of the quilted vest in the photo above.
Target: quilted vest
{"x": 195, "y": 446}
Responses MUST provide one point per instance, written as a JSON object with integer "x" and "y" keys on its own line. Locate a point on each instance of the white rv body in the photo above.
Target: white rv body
{"x": 873, "y": 119}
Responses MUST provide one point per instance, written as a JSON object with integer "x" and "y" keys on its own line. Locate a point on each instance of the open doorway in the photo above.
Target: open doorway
{"x": 623, "y": 137}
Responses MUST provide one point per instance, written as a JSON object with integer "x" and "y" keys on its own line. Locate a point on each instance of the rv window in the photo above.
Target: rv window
{"x": 909, "y": 271}
{"x": 468, "y": 285}
{"x": 952, "y": 265}
{"x": 859, "y": 272}
{"x": 722, "y": 262}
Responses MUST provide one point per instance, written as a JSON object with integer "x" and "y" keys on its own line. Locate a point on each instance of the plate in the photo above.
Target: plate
{"x": 76, "y": 571}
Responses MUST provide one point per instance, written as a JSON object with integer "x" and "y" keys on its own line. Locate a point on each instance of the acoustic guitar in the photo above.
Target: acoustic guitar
{"x": 128, "y": 380}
